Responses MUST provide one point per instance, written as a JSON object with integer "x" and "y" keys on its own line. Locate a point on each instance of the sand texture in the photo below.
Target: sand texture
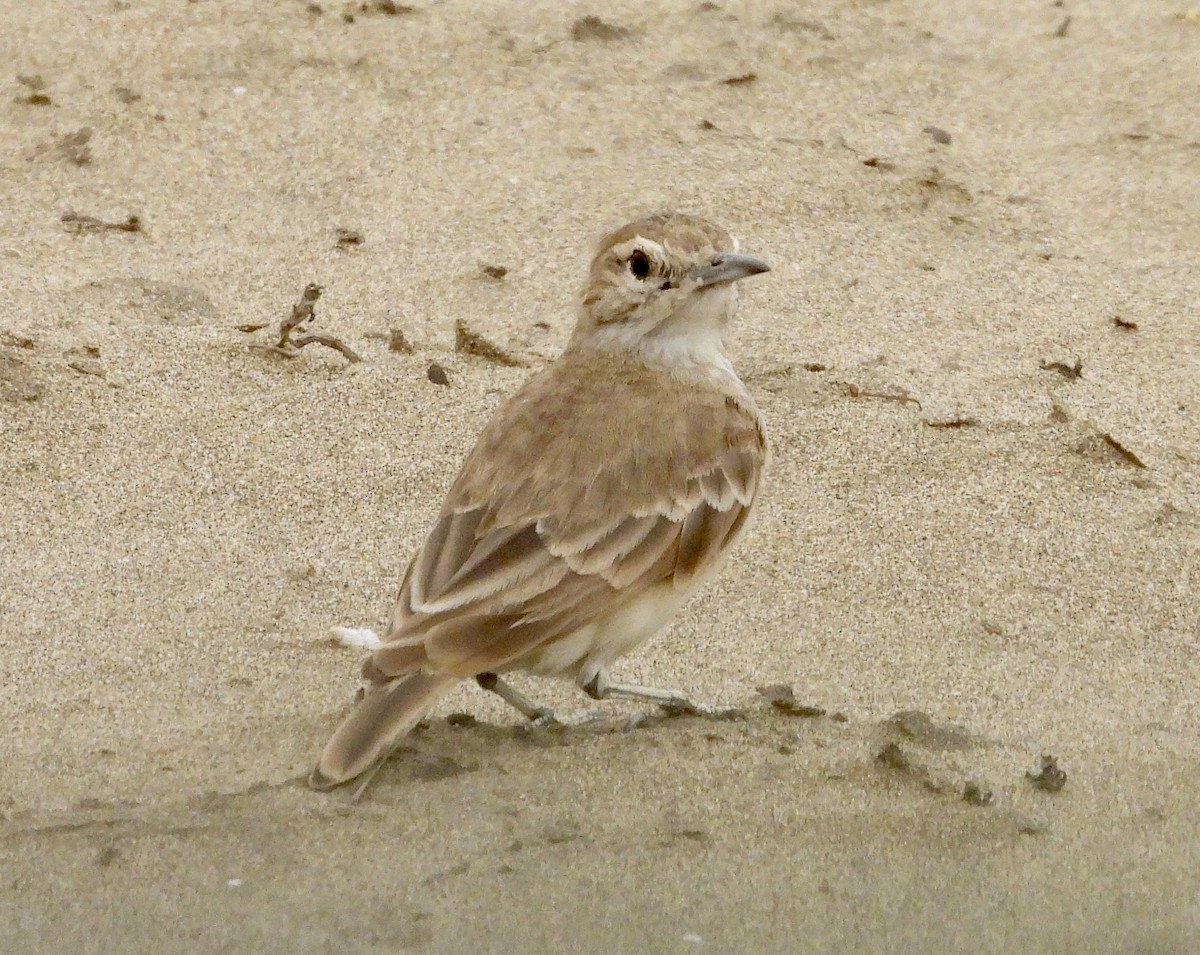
{"x": 978, "y": 354}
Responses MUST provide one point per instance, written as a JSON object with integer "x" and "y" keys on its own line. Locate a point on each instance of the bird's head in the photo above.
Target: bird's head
{"x": 667, "y": 276}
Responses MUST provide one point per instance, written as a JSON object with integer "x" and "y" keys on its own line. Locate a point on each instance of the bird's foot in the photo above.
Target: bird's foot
{"x": 600, "y": 688}
{"x": 537, "y": 714}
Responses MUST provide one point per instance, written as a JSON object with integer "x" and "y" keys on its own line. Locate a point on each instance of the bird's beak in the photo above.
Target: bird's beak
{"x": 727, "y": 267}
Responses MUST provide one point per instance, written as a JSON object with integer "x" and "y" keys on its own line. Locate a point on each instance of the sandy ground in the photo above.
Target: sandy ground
{"x": 964, "y": 526}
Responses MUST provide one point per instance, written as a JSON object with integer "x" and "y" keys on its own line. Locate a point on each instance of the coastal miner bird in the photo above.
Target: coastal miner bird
{"x": 596, "y": 501}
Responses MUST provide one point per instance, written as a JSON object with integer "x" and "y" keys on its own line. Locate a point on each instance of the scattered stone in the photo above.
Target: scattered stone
{"x": 74, "y": 146}
{"x": 976, "y": 795}
{"x": 1049, "y": 778}
{"x": 16, "y": 381}
{"x": 893, "y": 757}
{"x": 437, "y": 374}
{"x": 472, "y": 343}
{"x": 674, "y": 709}
{"x": 921, "y": 728}
{"x": 465, "y": 720}
{"x": 37, "y": 87}
{"x": 593, "y": 28}
{"x": 786, "y": 24}
{"x": 17, "y": 341}
{"x": 783, "y": 699}
{"x": 106, "y": 856}
{"x": 398, "y": 342}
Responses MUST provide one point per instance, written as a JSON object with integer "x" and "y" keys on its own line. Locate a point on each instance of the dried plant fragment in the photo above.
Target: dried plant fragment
{"x": 1067, "y": 371}
{"x": 903, "y": 397}
{"x": 73, "y": 222}
{"x": 303, "y": 311}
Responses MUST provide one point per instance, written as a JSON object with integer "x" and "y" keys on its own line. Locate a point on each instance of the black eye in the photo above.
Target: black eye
{"x": 639, "y": 264}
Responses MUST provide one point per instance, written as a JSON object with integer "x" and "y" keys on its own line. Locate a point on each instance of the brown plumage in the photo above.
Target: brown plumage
{"x": 595, "y": 501}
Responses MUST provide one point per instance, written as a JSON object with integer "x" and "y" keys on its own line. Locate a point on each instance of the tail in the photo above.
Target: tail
{"x": 370, "y": 732}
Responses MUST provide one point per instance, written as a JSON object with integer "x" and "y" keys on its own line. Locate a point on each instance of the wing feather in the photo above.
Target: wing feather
{"x": 616, "y": 544}
{"x": 505, "y": 571}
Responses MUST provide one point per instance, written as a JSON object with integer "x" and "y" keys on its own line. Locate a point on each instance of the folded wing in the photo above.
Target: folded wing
{"x": 477, "y": 596}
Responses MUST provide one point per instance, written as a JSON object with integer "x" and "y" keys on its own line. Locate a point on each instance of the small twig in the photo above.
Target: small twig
{"x": 329, "y": 342}
{"x": 953, "y": 423}
{"x": 73, "y": 222}
{"x": 855, "y": 392}
{"x": 1067, "y": 371}
{"x": 1124, "y": 452}
{"x": 302, "y": 311}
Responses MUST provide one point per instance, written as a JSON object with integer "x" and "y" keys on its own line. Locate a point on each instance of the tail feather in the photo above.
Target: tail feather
{"x": 370, "y": 732}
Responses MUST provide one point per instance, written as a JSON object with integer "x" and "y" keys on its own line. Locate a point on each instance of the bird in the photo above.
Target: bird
{"x": 596, "y": 500}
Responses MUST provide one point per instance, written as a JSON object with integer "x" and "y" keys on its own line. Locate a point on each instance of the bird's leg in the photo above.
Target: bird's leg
{"x": 538, "y": 715}
{"x": 599, "y": 688}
